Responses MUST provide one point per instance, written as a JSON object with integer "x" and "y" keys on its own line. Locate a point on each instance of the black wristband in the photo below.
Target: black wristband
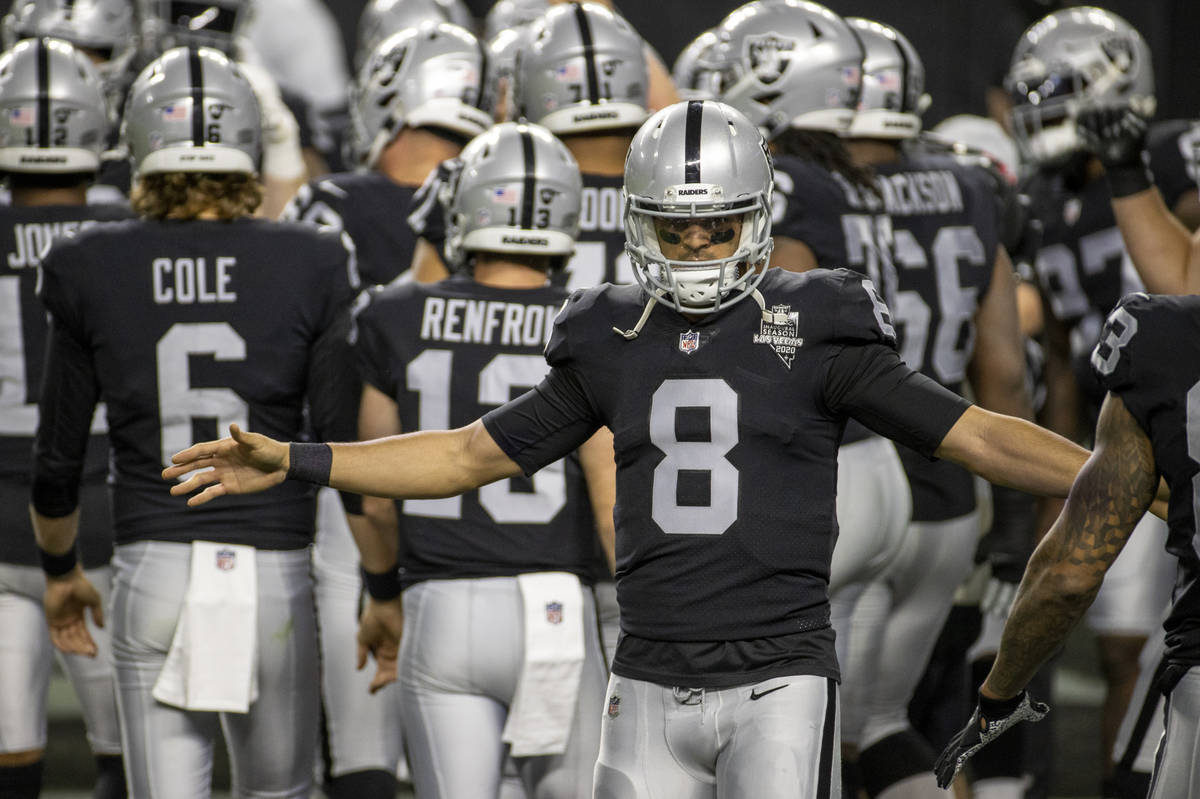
{"x": 382, "y": 586}
{"x": 57, "y": 565}
{"x": 999, "y": 708}
{"x": 310, "y": 463}
{"x": 1126, "y": 180}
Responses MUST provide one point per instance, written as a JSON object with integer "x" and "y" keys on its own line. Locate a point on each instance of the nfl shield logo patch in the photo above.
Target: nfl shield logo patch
{"x": 689, "y": 342}
{"x": 614, "y": 706}
{"x": 226, "y": 559}
{"x": 554, "y": 612}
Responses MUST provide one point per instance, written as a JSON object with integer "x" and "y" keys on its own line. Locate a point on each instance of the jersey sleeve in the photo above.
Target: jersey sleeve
{"x": 1133, "y": 343}
{"x": 318, "y": 203}
{"x": 59, "y": 287}
{"x": 862, "y": 315}
{"x": 425, "y": 215}
{"x": 558, "y": 415}
{"x": 371, "y": 349}
{"x": 1173, "y": 159}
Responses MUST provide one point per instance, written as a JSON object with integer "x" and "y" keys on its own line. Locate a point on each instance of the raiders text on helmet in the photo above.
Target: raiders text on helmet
{"x": 893, "y": 96}
{"x": 382, "y": 18}
{"x": 431, "y": 76}
{"x": 514, "y": 189}
{"x": 53, "y": 114}
{"x": 191, "y": 110}
{"x": 698, "y": 159}
{"x": 583, "y": 69}
{"x": 788, "y": 63}
{"x": 1071, "y": 60}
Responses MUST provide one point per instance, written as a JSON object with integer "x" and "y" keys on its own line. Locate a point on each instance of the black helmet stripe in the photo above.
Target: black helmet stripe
{"x": 196, "y": 76}
{"x": 529, "y": 189}
{"x": 589, "y": 54}
{"x": 43, "y": 94}
{"x": 693, "y": 126}
{"x": 903, "y": 76}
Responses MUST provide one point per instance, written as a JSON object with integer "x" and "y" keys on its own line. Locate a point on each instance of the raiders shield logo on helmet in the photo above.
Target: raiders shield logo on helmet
{"x": 769, "y": 55}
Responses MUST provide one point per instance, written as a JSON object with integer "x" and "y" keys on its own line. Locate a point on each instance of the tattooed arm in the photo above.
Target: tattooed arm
{"x": 1110, "y": 495}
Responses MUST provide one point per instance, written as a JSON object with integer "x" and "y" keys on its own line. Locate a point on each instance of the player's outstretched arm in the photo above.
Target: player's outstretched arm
{"x": 1165, "y": 255}
{"x": 425, "y": 465}
{"x": 1013, "y": 452}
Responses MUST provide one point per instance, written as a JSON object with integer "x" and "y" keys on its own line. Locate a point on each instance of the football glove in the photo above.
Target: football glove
{"x": 990, "y": 719}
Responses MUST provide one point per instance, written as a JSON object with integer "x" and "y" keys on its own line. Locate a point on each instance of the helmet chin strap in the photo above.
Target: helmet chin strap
{"x": 632, "y": 333}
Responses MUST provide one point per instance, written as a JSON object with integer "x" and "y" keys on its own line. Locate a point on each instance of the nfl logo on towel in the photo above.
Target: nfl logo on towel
{"x": 689, "y": 342}
{"x": 226, "y": 559}
{"x": 614, "y": 706}
{"x": 554, "y": 612}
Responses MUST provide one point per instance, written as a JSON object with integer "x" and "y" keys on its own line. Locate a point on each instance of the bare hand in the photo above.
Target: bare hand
{"x": 65, "y": 599}
{"x": 243, "y": 464}
{"x": 379, "y": 632}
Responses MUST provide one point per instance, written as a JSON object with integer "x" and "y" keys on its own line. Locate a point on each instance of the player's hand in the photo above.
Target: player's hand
{"x": 379, "y": 632}
{"x": 243, "y": 464}
{"x": 1117, "y": 136}
{"x": 990, "y": 719}
{"x": 65, "y": 602}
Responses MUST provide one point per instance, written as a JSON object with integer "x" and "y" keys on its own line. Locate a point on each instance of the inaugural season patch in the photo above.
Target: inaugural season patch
{"x": 778, "y": 330}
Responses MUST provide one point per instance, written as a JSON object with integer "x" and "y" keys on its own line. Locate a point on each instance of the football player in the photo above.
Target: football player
{"x": 54, "y": 125}
{"x": 477, "y": 600}
{"x": 1148, "y": 361}
{"x": 1073, "y": 60}
{"x": 727, "y": 386}
{"x": 193, "y": 315}
{"x": 956, "y": 315}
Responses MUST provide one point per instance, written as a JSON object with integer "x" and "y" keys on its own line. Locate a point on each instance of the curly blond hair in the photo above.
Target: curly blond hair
{"x": 187, "y": 195}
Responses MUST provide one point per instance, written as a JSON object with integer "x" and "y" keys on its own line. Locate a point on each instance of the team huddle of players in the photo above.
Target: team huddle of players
{"x": 749, "y": 320}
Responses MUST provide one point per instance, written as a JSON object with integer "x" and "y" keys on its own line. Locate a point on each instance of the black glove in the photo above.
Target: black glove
{"x": 989, "y": 720}
{"x": 1117, "y": 136}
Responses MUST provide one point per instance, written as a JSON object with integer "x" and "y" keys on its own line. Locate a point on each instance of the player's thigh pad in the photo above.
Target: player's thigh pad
{"x": 873, "y": 509}
{"x": 1177, "y": 769}
{"x": 25, "y": 659}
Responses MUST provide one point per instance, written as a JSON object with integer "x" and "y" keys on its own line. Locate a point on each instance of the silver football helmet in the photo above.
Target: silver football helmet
{"x": 698, "y": 159}
{"x": 1074, "y": 59}
{"x": 194, "y": 23}
{"x": 893, "y": 96}
{"x": 788, "y": 64}
{"x": 514, "y": 189}
{"x": 431, "y": 76}
{"x": 191, "y": 110}
{"x": 583, "y": 69}
{"x": 53, "y": 113}
{"x": 105, "y": 29}
{"x": 512, "y": 14}
{"x": 688, "y": 67}
{"x": 382, "y": 18}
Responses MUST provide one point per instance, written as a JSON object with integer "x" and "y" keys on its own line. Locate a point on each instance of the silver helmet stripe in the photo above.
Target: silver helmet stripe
{"x": 694, "y": 126}
{"x": 196, "y": 75}
{"x": 43, "y": 96}
{"x": 589, "y": 54}
{"x": 529, "y": 189}
{"x": 904, "y": 75}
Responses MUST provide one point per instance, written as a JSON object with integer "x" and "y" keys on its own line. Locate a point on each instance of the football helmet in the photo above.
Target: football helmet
{"x": 512, "y": 14}
{"x": 429, "y": 76}
{"x": 1071, "y": 60}
{"x": 104, "y": 28}
{"x": 192, "y": 110}
{"x": 582, "y": 69}
{"x": 788, "y": 63}
{"x": 698, "y": 159}
{"x": 194, "y": 23}
{"x": 53, "y": 113}
{"x": 893, "y": 95}
{"x": 381, "y": 18}
{"x": 514, "y": 189}
{"x": 686, "y": 72}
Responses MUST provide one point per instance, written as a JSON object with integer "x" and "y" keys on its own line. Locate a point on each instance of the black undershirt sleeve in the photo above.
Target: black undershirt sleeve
{"x": 545, "y": 423}
{"x": 871, "y": 384}
{"x": 69, "y": 394}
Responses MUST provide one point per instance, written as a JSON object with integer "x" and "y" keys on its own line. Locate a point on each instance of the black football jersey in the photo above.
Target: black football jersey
{"x": 1149, "y": 356}
{"x": 945, "y": 236}
{"x": 599, "y": 251}
{"x": 182, "y": 328}
{"x": 371, "y": 209}
{"x": 1174, "y": 147}
{"x": 726, "y": 432}
{"x": 26, "y": 234}
{"x": 447, "y": 353}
